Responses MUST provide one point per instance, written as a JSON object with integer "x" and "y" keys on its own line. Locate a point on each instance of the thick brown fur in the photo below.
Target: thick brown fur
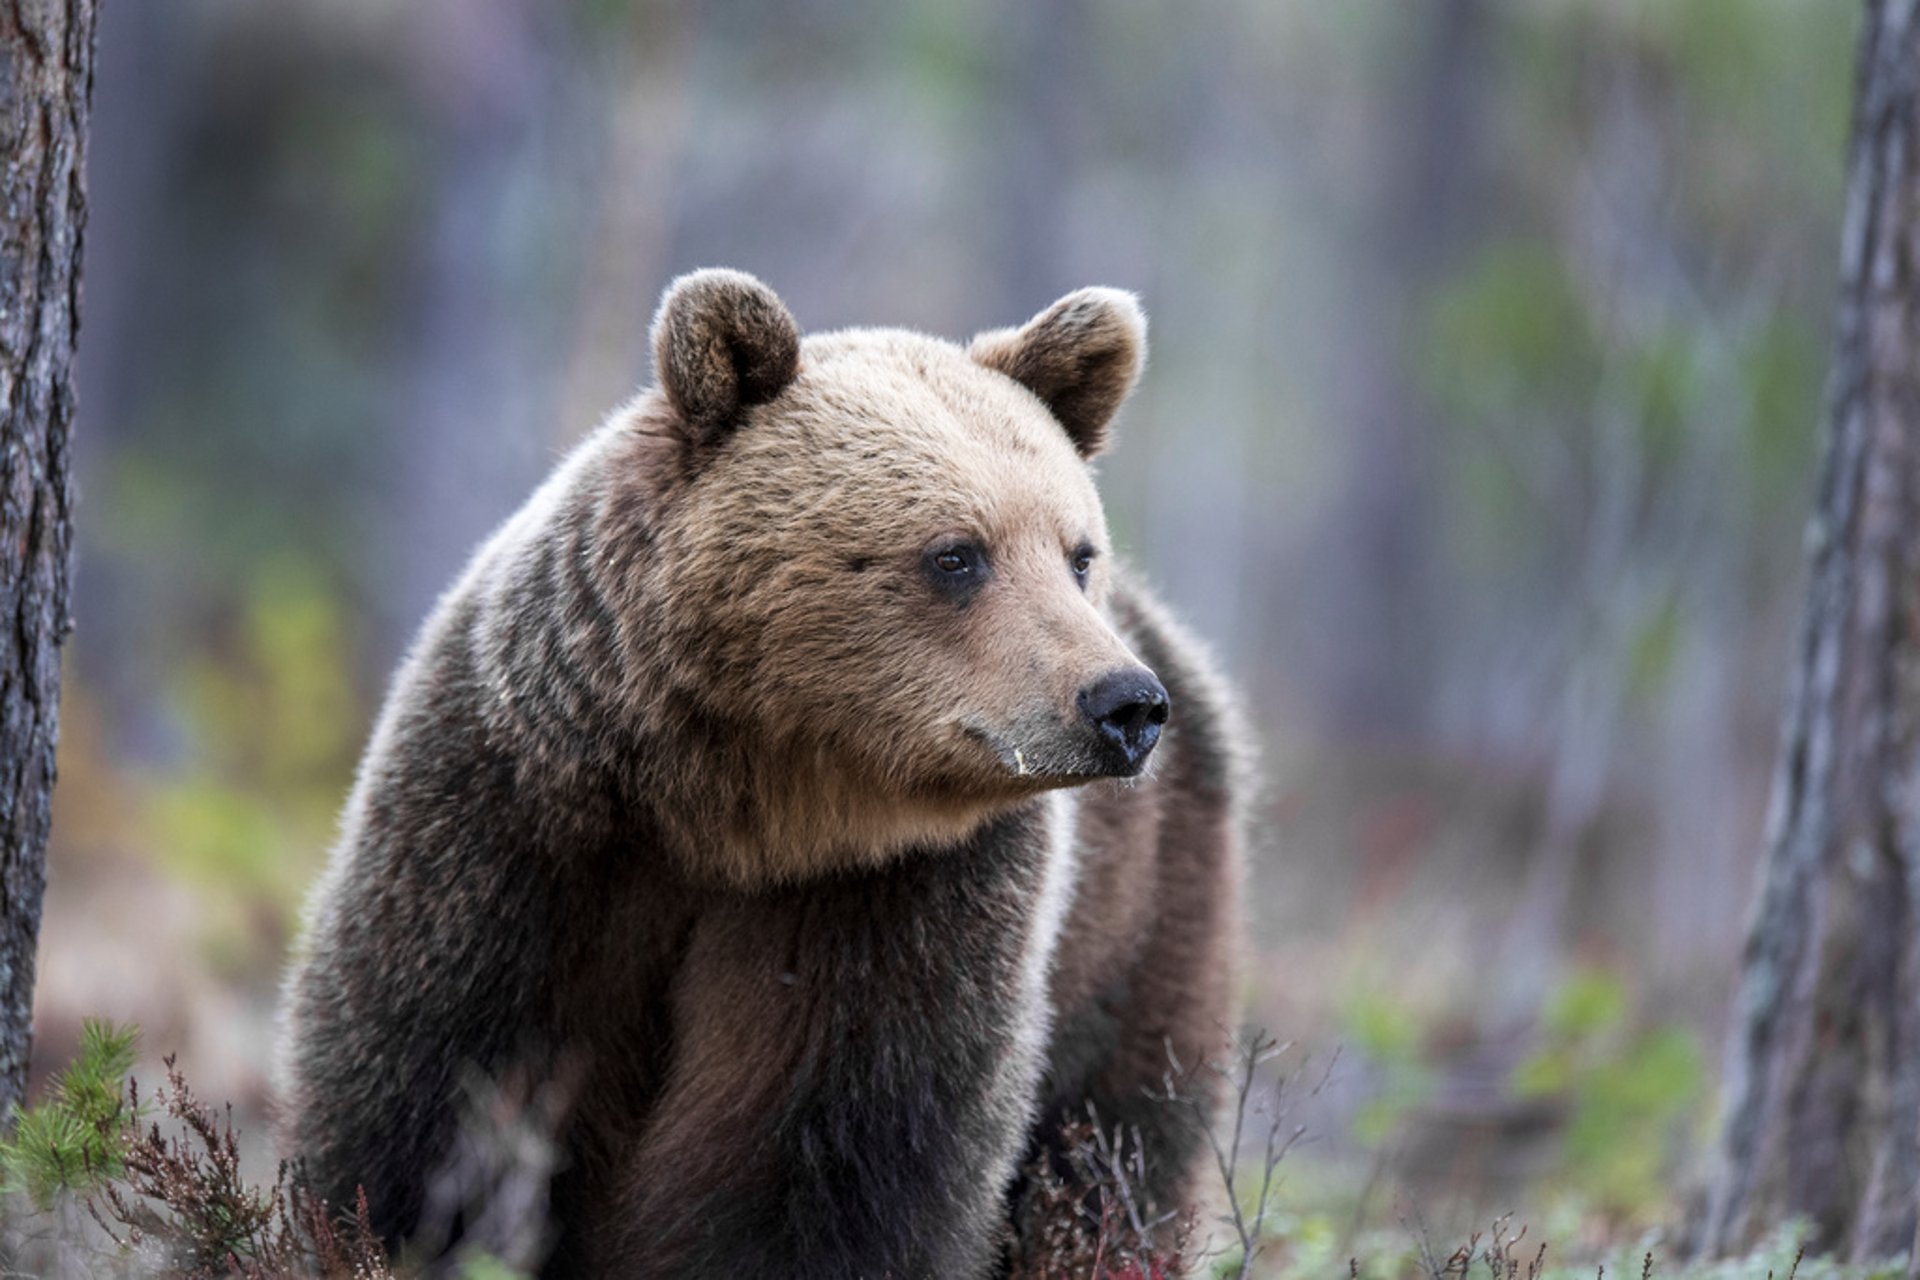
{"x": 703, "y": 789}
{"x": 1081, "y": 356}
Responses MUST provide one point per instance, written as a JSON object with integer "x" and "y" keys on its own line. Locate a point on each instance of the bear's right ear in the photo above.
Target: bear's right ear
{"x": 722, "y": 341}
{"x": 1081, "y": 356}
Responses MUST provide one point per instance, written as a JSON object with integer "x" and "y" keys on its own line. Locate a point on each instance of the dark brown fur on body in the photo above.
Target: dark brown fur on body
{"x": 704, "y": 786}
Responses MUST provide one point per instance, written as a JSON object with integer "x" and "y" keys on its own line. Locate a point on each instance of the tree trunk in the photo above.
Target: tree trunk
{"x": 44, "y": 98}
{"x": 1374, "y": 592}
{"x": 1824, "y": 1062}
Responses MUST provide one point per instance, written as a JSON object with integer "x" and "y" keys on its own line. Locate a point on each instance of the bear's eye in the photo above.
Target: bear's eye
{"x": 956, "y": 569}
{"x": 1082, "y": 562}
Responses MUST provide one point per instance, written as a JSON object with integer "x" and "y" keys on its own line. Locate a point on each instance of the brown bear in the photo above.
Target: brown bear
{"x": 779, "y": 775}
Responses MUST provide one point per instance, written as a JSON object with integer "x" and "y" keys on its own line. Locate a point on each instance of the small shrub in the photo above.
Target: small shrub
{"x": 170, "y": 1201}
{"x": 71, "y": 1141}
{"x": 1090, "y": 1223}
{"x": 184, "y": 1198}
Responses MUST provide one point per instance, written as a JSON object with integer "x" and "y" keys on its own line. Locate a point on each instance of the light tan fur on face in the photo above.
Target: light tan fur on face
{"x": 883, "y": 714}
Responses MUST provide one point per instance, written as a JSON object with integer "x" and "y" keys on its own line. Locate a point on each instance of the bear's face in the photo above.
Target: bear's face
{"x": 886, "y": 556}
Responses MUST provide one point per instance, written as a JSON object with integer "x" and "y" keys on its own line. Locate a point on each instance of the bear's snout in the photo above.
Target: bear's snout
{"x": 1126, "y": 709}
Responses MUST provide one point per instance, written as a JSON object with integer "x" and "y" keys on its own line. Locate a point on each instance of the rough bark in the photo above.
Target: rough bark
{"x": 1824, "y": 1060}
{"x": 46, "y": 84}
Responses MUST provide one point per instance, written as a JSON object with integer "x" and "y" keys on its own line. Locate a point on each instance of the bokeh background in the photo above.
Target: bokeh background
{"x": 1478, "y": 437}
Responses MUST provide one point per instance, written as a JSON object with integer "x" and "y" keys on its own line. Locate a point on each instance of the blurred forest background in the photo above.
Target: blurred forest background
{"x": 1478, "y": 437}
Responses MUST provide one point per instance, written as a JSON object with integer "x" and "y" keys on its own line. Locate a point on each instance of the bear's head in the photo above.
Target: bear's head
{"x": 878, "y": 569}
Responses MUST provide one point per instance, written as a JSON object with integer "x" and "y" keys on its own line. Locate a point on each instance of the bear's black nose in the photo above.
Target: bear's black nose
{"x": 1126, "y": 708}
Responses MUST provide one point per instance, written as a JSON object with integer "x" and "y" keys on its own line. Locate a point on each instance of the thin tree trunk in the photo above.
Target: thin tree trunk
{"x": 1375, "y": 590}
{"x": 44, "y": 99}
{"x": 1047, "y": 51}
{"x": 1824, "y": 1061}
{"x": 466, "y": 458}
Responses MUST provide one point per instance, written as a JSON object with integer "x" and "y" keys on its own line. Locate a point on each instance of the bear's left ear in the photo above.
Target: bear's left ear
{"x": 722, "y": 341}
{"x": 1081, "y": 356}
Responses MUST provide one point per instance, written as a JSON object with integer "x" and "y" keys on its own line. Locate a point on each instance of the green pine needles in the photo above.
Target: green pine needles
{"x": 72, "y": 1140}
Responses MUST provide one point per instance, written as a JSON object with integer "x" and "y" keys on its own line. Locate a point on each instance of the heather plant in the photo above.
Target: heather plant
{"x": 183, "y": 1200}
{"x": 1092, "y": 1220}
{"x": 168, "y": 1196}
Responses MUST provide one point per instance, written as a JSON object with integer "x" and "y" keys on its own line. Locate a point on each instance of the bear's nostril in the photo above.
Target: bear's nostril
{"x": 1127, "y": 709}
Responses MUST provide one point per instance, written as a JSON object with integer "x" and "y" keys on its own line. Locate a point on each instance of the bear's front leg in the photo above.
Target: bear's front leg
{"x": 854, "y": 1069}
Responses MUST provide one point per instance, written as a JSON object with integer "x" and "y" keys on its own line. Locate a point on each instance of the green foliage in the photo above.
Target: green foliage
{"x": 1662, "y": 385}
{"x": 947, "y": 58}
{"x": 1587, "y": 1004}
{"x": 1652, "y": 648}
{"x": 1509, "y": 334}
{"x": 1317, "y": 1249}
{"x": 73, "y": 1139}
{"x": 1387, "y": 1032}
{"x": 1720, "y": 49}
{"x": 1629, "y": 1093}
{"x": 1782, "y": 365}
{"x": 277, "y": 719}
{"x": 1509, "y": 353}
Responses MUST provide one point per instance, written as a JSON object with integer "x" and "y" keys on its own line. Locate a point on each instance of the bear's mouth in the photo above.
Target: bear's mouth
{"x": 1055, "y": 759}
